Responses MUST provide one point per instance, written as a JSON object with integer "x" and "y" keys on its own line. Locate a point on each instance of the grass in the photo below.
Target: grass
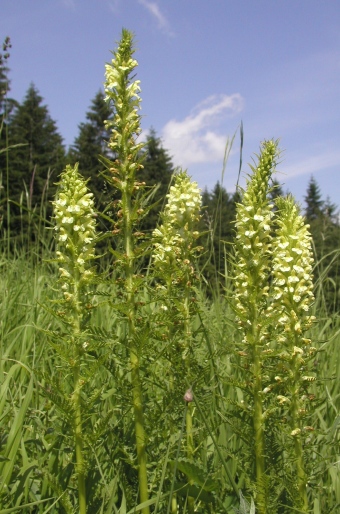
{"x": 34, "y": 441}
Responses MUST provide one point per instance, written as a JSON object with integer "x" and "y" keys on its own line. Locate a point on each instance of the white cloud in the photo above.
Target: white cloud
{"x": 155, "y": 11}
{"x": 312, "y": 164}
{"x": 196, "y": 139}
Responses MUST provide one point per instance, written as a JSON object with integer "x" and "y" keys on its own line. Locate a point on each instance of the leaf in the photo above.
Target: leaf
{"x": 196, "y": 474}
{"x": 14, "y": 438}
{"x": 184, "y": 489}
{"x": 245, "y": 508}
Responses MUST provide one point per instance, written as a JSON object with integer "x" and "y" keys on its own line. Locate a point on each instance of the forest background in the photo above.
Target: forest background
{"x": 32, "y": 156}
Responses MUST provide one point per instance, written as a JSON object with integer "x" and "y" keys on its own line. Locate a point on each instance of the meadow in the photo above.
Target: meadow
{"x": 130, "y": 384}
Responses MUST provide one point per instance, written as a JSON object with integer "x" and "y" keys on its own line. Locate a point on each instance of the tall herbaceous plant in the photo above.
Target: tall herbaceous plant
{"x": 153, "y": 359}
{"x": 122, "y": 93}
{"x": 75, "y": 235}
{"x": 273, "y": 296}
{"x": 174, "y": 255}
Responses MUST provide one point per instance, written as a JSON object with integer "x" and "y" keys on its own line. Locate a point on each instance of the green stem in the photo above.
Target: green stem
{"x": 188, "y": 418}
{"x": 77, "y": 385}
{"x": 139, "y": 429}
{"x": 78, "y": 436}
{"x": 259, "y": 434}
{"x": 137, "y": 397}
{"x": 295, "y": 423}
{"x": 187, "y": 341}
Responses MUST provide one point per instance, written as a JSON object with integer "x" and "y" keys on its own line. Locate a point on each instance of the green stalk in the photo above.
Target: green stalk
{"x": 188, "y": 417}
{"x": 78, "y": 437}
{"x": 124, "y": 95}
{"x": 251, "y": 276}
{"x": 293, "y": 297}
{"x": 76, "y": 396}
{"x": 299, "y": 459}
{"x": 258, "y": 425}
{"x": 75, "y": 228}
{"x": 255, "y": 349}
{"x": 137, "y": 395}
{"x": 174, "y": 250}
{"x": 186, "y": 336}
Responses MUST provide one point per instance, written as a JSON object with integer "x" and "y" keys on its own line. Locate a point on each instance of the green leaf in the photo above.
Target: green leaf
{"x": 196, "y": 474}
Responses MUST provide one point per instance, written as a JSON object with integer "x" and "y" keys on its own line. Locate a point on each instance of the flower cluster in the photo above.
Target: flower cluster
{"x": 75, "y": 227}
{"x": 292, "y": 270}
{"x": 125, "y": 98}
{"x": 175, "y": 237}
{"x": 253, "y": 240}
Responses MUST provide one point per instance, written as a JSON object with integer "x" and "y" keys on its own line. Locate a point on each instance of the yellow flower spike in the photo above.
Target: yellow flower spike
{"x": 253, "y": 239}
{"x": 174, "y": 239}
{"x": 75, "y": 228}
{"x": 292, "y": 300}
{"x": 292, "y": 265}
{"x": 251, "y": 278}
{"x": 174, "y": 250}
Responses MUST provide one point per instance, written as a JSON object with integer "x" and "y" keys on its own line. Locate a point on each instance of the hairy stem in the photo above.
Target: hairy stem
{"x": 299, "y": 458}
{"x": 78, "y": 437}
{"x": 137, "y": 396}
{"x": 259, "y": 433}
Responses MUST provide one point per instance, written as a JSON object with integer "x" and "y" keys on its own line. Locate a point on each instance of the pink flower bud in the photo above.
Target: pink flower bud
{"x": 189, "y": 395}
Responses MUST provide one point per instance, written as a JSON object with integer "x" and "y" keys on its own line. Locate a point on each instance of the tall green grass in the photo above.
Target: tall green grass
{"x": 36, "y": 451}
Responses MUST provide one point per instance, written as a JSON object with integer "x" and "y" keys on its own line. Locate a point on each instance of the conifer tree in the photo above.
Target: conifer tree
{"x": 4, "y": 82}
{"x": 314, "y": 202}
{"x": 6, "y": 106}
{"x": 322, "y": 218}
{"x": 90, "y": 144}
{"x": 217, "y": 226}
{"x": 36, "y": 158}
{"x": 156, "y": 173}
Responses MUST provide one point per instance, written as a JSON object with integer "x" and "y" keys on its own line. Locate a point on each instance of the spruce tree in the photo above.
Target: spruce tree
{"x": 217, "y": 226}
{"x": 6, "y": 106}
{"x": 36, "y": 158}
{"x": 324, "y": 227}
{"x": 89, "y": 145}
{"x": 156, "y": 173}
{"x": 314, "y": 202}
{"x": 276, "y": 191}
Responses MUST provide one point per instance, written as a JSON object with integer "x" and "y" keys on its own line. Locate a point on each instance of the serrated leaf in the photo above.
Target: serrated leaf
{"x": 196, "y": 474}
{"x": 184, "y": 489}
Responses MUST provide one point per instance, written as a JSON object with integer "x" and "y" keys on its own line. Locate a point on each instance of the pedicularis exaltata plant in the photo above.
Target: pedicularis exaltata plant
{"x": 253, "y": 258}
{"x": 75, "y": 234}
{"x": 272, "y": 300}
{"x": 293, "y": 297}
{"x": 122, "y": 92}
{"x": 273, "y": 294}
{"x": 174, "y": 252}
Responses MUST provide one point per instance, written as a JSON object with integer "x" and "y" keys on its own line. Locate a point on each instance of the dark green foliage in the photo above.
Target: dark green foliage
{"x": 89, "y": 145}
{"x": 324, "y": 226}
{"x": 36, "y": 158}
{"x": 276, "y": 190}
{"x": 314, "y": 203}
{"x": 4, "y": 83}
{"x": 217, "y": 228}
{"x": 156, "y": 173}
{"x": 6, "y": 106}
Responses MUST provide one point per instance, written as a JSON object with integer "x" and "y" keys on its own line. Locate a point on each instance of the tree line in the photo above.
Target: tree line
{"x": 32, "y": 156}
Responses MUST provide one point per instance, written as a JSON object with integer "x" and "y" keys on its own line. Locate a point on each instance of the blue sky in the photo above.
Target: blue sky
{"x": 205, "y": 66}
